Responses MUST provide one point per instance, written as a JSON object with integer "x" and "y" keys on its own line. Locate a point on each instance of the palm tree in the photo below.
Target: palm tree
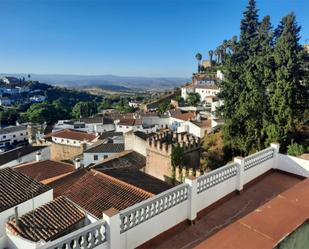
{"x": 198, "y": 57}
{"x": 211, "y": 54}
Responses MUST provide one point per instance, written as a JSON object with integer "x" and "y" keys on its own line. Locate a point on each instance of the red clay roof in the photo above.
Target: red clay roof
{"x": 16, "y": 188}
{"x": 51, "y": 220}
{"x": 96, "y": 192}
{"x": 268, "y": 224}
{"x": 130, "y": 122}
{"x": 75, "y": 135}
{"x": 176, "y": 113}
{"x": 45, "y": 171}
{"x": 62, "y": 184}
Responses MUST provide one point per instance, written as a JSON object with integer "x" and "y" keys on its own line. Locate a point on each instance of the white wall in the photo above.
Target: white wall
{"x": 71, "y": 142}
{"x": 21, "y": 135}
{"x": 206, "y": 92}
{"x": 89, "y": 157}
{"x": 293, "y": 165}
{"x": 22, "y": 209}
{"x": 215, "y": 193}
{"x": 135, "y": 143}
{"x": 258, "y": 170}
{"x": 45, "y": 155}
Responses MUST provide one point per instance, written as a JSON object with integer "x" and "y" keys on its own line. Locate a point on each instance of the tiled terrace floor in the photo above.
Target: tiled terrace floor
{"x": 228, "y": 212}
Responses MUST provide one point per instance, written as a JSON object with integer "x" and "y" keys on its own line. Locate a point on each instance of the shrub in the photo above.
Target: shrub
{"x": 296, "y": 149}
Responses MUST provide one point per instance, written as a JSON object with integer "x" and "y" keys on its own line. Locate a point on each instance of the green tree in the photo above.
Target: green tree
{"x": 286, "y": 103}
{"x": 9, "y": 116}
{"x": 42, "y": 112}
{"x": 164, "y": 106}
{"x": 193, "y": 99}
{"x": 84, "y": 109}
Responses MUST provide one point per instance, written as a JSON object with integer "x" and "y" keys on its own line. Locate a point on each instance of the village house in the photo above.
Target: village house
{"x": 67, "y": 144}
{"x": 12, "y": 135}
{"x": 23, "y": 155}
{"x": 19, "y": 194}
{"x": 100, "y": 151}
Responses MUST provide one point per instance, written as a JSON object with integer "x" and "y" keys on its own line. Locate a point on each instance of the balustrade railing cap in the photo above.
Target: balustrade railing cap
{"x": 111, "y": 212}
{"x": 191, "y": 178}
{"x": 238, "y": 157}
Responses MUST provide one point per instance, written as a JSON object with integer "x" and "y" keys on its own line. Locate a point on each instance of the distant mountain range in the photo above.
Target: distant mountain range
{"x": 111, "y": 82}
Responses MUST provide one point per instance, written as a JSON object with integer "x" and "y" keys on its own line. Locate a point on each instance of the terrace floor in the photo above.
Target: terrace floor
{"x": 221, "y": 215}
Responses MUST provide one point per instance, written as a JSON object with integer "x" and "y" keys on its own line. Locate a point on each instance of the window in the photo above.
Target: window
{"x": 68, "y": 141}
{"x": 14, "y": 135}
{"x": 74, "y": 142}
{"x": 21, "y": 134}
{"x": 120, "y": 126}
{"x": 4, "y": 136}
{"x": 105, "y": 156}
{"x": 95, "y": 157}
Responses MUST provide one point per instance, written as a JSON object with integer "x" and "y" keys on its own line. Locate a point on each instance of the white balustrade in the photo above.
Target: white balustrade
{"x": 215, "y": 177}
{"x": 88, "y": 237}
{"x": 258, "y": 158}
{"x": 147, "y": 209}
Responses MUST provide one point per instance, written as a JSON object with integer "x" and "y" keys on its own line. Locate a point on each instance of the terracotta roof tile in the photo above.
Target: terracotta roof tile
{"x": 16, "y": 188}
{"x": 176, "y": 113}
{"x": 97, "y": 192}
{"x": 130, "y": 122}
{"x": 48, "y": 221}
{"x": 45, "y": 171}
{"x": 75, "y": 135}
{"x": 62, "y": 184}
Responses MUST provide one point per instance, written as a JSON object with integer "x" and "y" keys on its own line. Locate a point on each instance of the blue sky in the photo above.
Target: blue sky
{"x": 123, "y": 37}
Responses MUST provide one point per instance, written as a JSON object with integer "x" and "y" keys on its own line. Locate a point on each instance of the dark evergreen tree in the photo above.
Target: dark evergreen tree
{"x": 286, "y": 97}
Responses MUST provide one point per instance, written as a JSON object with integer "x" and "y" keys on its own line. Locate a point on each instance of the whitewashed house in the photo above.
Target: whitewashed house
{"x": 23, "y": 155}
{"x": 19, "y": 195}
{"x": 100, "y": 151}
{"x": 13, "y": 135}
{"x": 73, "y": 137}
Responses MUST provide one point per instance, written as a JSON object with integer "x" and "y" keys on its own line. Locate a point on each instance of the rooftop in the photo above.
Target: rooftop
{"x": 96, "y": 192}
{"x": 10, "y": 129}
{"x": 226, "y": 212}
{"x": 16, "y": 188}
{"x": 110, "y": 134}
{"x": 61, "y": 184}
{"x": 139, "y": 179}
{"x": 74, "y": 135}
{"x": 45, "y": 171}
{"x": 18, "y": 152}
{"x": 51, "y": 221}
{"x": 268, "y": 224}
{"x": 178, "y": 114}
{"x": 143, "y": 135}
{"x": 98, "y": 119}
{"x": 125, "y": 159}
{"x": 105, "y": 148}
{"x": 130, "y": 122}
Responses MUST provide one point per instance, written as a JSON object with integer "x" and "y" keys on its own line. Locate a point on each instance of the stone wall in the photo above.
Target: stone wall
{"x": 65, "y": 152}
{"x": 159, "y": 150}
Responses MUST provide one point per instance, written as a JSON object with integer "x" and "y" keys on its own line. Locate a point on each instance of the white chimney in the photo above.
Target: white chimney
{"x": 38, "y": 156}
{"x": 77, "y": 163}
